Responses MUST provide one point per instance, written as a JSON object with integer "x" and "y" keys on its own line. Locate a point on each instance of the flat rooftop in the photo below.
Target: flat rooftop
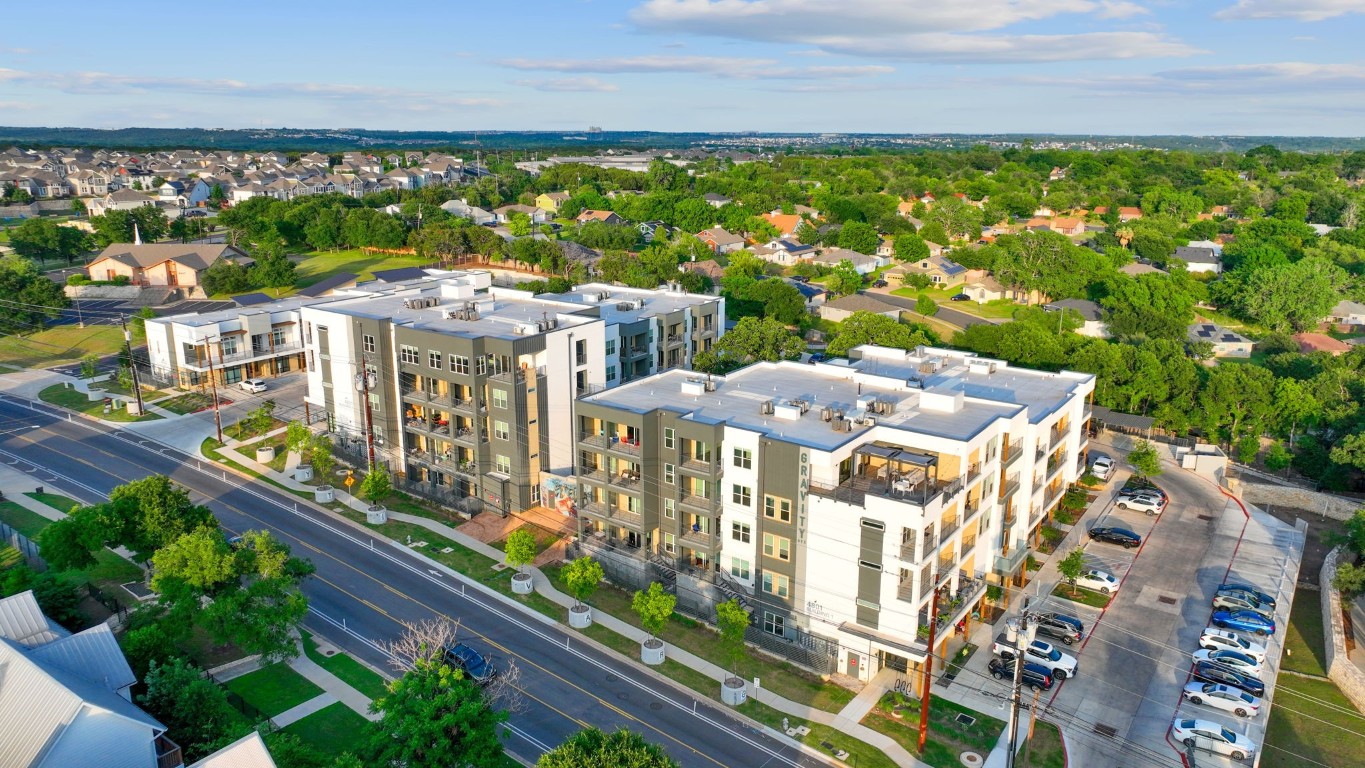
{"x": 617, "y": 304}
{"x": 443, "y": 306}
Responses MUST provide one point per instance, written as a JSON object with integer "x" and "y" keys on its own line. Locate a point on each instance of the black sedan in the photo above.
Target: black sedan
{"x": 1209, "y": 672}
{"x": 1121, "y": 536}
{"x": 1035, "y": 676}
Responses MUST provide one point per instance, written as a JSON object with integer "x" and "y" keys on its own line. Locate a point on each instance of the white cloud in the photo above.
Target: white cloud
{"x": 1278, "y": 79}
{"x": 569, "y": 84}
{"x": 914, "y": 30}
{"x": 1301, "y": 10}
{"x": 720, "y": 66}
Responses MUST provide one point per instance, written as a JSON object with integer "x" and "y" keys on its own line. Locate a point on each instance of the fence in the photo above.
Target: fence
{"x": 246, "y": 708}
{"x": 110, "y": 603}
{"x": 21, "y": 542}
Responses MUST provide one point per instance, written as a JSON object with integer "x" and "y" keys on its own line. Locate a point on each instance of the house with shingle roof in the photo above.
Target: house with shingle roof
{"x": 1092, "y": 316}
{"x": 1199, "y": 259}
{"x": 162, "y": 264}
{"x": 1346, "y": 315}
{"x": 1225, "y": 343}
{"x": 606, "y": 217}
{"x": 715, "y": 201}
{"x": 720, "y": 240}
{"x": 843, "y": 307}
{"x": 1321, "y": 342}
{"x": 865, "y": 264}
{"x": 941, "y": 271}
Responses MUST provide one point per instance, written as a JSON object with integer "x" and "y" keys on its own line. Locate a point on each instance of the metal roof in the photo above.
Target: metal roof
{"x": 22, "y": 621}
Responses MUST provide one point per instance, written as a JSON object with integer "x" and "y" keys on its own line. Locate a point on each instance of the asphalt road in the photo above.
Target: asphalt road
{"x": 945, "y": 313}
{"x": 369, "y": 586}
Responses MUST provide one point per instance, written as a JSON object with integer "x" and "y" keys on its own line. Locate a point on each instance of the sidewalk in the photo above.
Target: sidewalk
{"x": 336, "y": 688}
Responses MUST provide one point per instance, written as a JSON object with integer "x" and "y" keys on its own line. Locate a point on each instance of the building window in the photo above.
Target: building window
{"x": 776, "y": 546}
{"x": 480, "y": 366}
{"x": 777, "y": 508}
{"x": 228, "y": 345}
{"x": 499, "y": 398}
{"x": 670, "y": 543}
{"x": 739, "y": 568}
{"x": 611, "y": 373}
{"x": 669, "y": 474}
{"x": 581, "y": 352}
{"x": 776, "y": 584}
{"x": 744, "y": 458}
{"x": 741, "y": 532}
{"x": 670, "y": 508}
{"x": 407, "y": 354}
{"x": 367, "y": 343}
{"x": 774, "y": 624}
{"x": 742, "y": 494}
{"x": 459, "y": 364}
{"x": 277, "y": 338}
{"x": 434, "y": 359}
{"x": 670, "y": 438}
{"x": 611, "y": 347}
{"x": 535, "y": 493}
{"x": 504, "y": 464}
{"x": 500, "y": 430}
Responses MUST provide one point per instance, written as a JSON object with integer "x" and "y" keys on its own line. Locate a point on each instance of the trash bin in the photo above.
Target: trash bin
{"x": 39, "y": 490}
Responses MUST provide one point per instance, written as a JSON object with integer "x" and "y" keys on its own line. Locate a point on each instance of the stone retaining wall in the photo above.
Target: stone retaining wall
{"x": 1348, "y": 677}
{"x": 1335, "y": 507}
{"x": 125, "y": 292}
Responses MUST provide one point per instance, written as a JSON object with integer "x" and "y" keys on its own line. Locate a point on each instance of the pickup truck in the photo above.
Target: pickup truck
{"x": 1062, "y": 665}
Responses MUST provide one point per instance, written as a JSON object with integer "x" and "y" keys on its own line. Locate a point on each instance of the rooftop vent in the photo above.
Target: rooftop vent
{"x": 801, "y": 405}
{"x": 693, "y": 387}
{"x": 766, "y": 408}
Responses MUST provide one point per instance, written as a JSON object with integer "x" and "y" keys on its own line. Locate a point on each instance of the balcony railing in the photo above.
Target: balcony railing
{"x": 1010, "y": 487}
{"x": 425, "y": 396}
{"x": 249, "y": 353}
{"x": 168, "y": 753}
{"x": 632, "y": 353}
{"x": 967, "y": 546}
{"x": 435, "y": 428}
{"x": 1058, "y": 435}
{"x": 1054, "y": 494}
{"x": 701, "y": 539}
{"x": 674, "y": 339}
{"x": 595, "y": 474}
{"x": 626, "y": 517}
{"x": 1055, "y": 463}
{"x": 706, "y": 466}
{"x": 948, "y": 529}
{"x": 629, "y": 479}
{"x": 588, "y": 438}
{"x": 905, "y": 590}
{"x": 973, "y": 472}
{"x": 466, "y": 406}
{"x": 700, "y": 503}
{"x": 463, "y": 435}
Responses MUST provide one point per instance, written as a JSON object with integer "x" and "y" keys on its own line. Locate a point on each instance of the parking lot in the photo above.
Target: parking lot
{"x": 1136, "y": 658}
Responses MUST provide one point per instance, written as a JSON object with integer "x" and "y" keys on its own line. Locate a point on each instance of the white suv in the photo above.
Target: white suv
{"x": 253, "y": 385}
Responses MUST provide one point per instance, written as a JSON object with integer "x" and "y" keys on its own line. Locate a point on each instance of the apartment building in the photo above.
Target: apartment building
{"x": 831, "y": 499}
{"x": 257, "y": 341}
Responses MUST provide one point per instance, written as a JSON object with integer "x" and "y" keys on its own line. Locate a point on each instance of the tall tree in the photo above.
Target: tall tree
{"x": 871, "y": 328}
{"x": 844, "y": 279}
{"x": 43, "y": 239}
{"x": 434, "y": 717}
{"x": 752, "y": 340}
{"x": 591, "y": 748}
{"x": 34, "y": 298}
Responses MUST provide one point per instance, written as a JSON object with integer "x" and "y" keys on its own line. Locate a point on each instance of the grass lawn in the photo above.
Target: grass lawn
{"x": 111, "y": 387}
{"x": 273, "y": 689}
{"x": 60, "y": 503}
{"x": 317, "y": 266}
{"x": 333, "y": 729}
{"x": 109, "y": 571}
{"x": 1305, "y": 642}
{"x": 944, "y": 329}
{"x": 21, "y": 519}
{"x": 1082, "y": 596}
{"x": 63, "y": 344}
{"x": 344, "y": 666}
{"x": 779, "y": 677}
{"x": 1323, "y": 733}
{"x": 10, "y": 557}
{"x": 240, "y": 430}
{"x": 188, "y": 402}
{"x": 1046, "y": 750}
{"x": 999, "y": 308}
{"x": 74, "y": 399}
{"x": 861, "y": 754}
{"x": 948, "y": 738}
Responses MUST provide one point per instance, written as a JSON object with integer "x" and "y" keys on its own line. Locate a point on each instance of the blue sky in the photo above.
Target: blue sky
{"x": 978, "y": 66}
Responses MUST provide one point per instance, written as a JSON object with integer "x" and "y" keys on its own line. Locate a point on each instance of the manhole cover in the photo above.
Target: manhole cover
{"x": 1166, "y": 600}
{"x": 1106, "y": 730}
{"x": 965, "y": 719}
{"x": 656, "y": 706}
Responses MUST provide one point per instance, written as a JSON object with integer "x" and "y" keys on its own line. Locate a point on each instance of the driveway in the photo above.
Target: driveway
{"x": 945, "y": 313}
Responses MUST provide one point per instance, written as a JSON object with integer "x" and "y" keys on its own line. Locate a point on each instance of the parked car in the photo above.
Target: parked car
{"x": 1224, "y": 697}
{"x": 1099, "y": 581}
{"x": 1216, "y": 639}
{"x": 1063, "y": 665}
{"x": 879, "y": 284}
{"x": 1231, "y": 659}
{"x": 476, "y": 667}
{"x": 1244, "y": 621}
{"x": 1260, "y": 596}
{"x": 1142, "y": 485}
{"x": 1035, "y": 676}
{"x": 960, "y": 297}
{"x": 252, "y": 385}
{"x": 1102, "y": 467}
{"x": 1208, "y": 672}
{"x": 1152, "y": 505}
{"x": 818, "y": 357}
{"x": 1111, "y": 535}
{"x": 1208, "y": 735}
{"x": 1068, "y": 629}
{"x": 799, "y": 279}
{"x": 1240, "y": 602}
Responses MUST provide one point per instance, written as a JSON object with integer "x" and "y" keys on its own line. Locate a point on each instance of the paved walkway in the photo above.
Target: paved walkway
{"x": 336, "y": 689}
{"x": 297, "y": 713}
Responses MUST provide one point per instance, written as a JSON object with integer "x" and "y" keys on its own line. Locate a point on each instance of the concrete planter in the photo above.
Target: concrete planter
{"x": 376, "y": 515}
{"x": 265, "y": 455}
{"x": 652, "y": 651}
{"x": 580, "y": 617}
{"x": 303, "y": 473}
{"x": 324, "y": 494}
{"x": 733, "y": 692}
{"x": 521, "y": 584}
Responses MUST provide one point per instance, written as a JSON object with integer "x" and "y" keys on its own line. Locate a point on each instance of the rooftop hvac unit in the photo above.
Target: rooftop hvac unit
{"x": 592, "y": 298}
{"x": 527, "y": 329}
{"x": 802, "y": 405}
{"x": 826, "y": 413}
{"x": 841, "y": 425}
{"x": 766, "y": 408}
{"x": 625, "y": 306}
{"x": 712, "y": 386}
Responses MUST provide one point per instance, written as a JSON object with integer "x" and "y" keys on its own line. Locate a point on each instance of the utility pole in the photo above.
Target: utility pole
{"x": 1032, "y": 718}
{"x": 1023, "y": 628}
{"x": 132, "y": 365}
{"x": 928, "y": 672}
{"x": 364, "y": 381}
{"x": 217, "y": 414}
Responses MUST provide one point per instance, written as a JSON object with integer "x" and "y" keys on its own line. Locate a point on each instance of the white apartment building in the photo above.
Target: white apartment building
{"x": 261, "y": 340}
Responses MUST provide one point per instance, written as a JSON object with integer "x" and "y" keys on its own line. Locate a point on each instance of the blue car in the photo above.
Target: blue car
{"x": 1260, "y": 596}
{"x": 1244, "y": 621}
{"x": 476, "y": 667}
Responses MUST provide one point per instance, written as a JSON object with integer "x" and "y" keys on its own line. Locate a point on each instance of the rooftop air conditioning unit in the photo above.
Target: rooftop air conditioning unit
{"x": 766, "y": 408}
{"x": 712, "y": 386}
{"x": 826, "y": 414}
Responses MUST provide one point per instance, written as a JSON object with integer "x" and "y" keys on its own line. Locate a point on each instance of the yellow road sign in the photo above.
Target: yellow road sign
{"x": 350, "y": 480}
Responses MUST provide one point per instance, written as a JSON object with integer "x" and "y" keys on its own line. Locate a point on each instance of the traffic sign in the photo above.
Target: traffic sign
{"x": 350, "y": 480}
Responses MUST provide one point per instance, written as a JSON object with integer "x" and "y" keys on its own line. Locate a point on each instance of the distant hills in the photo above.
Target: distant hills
{"x": 336, "y": 140}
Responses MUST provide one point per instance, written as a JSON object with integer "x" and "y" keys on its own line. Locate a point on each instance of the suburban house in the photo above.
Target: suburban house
{"x": 550, "y": 201}
{"x": 654, "y": 230}
{"x": 720, "y": 240}
{"x": 1126, "y": 212}
{"x": 786, "y": 223}
{"x": 906, "y": 208}
{"x": 1067, "y": 226}
{"x": 1199, "y": 259}
{"x": 466, "y": 211}
{"x": 886, "y": 248}
{"x": 983, "y": 289}
{"x": 941, "y": 271}
{"x": 1321, "y": 342}
{"x": 118, "y": 200}
{"x": 715, "y": 201}
{"x": 1091, "y": 315}
{"x": 1346, "y": 315}
{"x": 536, "y": 215}
{"x": 784, "y": 252}
{"x": 840, "y": 309}
{"x": 814, "y": 294}
{"x": 865, "y": 264}
{"x": 606, "y": 217}
{"x": 161, "y": 264}
{"x": 708, "y": 267}
{"x": 1135, "y": 268}
{"x": 1225, "y": 343}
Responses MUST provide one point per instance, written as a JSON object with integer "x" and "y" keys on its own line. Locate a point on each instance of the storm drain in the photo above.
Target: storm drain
{"x": 1106, "y": 730}
{"x": 1166, "y": 600}
{"x": 965, "y": 719}
{"x": 1205, "y": 517}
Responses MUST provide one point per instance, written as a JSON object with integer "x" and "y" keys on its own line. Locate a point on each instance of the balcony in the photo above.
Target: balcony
{"x": 1059, "y": 434}
{"x": 425, "y": 396}
{"x": 513, "y": 376}
{"x": 624, "y": 445}
{"x": 700, "y": 503}
{"x": 598, "y": 508}
{"x": 634, "y": 353}
{"x": 1053, "y": 495}
{"x": 855, "y": 490}
{"x": 597, "y": 441}
{"x": 440, "y": 428}
{"x": 1010, "y": 487}
{"x": 463, "y": 435}
{"x": 626, "y": 517}
{"x": 1013, "y": 451}
{"x": 1055, "y": 464}
{"x": 703, "y": 466}
{"x": 948, "y": 529}
{"x": 594, "y": 474}
{"x": 674, "y": 339}
{"x": 973, "y": 473}
{"x": 627, "y": 479}
{"x": 464, "y": 406}
{"x": 928, "y": 543}
{"x": 168, "y": 753}
{"x": 242, "y": 356}
{"x": 1009, "y": 563}
{"x": 967, "y": 546}
{"x": 905, "y": 590}
{"x": 701, "y": 539}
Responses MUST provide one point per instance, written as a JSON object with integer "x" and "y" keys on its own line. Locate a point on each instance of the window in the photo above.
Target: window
{"x": 669, "y": 474}
{"x": 504, "y": 464}
{"x": 744, "y": 458}
{"x": 670, "y": 543}
{"x": 776, "y": 546}
{"x": 277, "y": 338}
{"x": 741, "y": 532}
{"x": 500, "y": 430}
{"x": 777, "y": 508}
{"x": 774, "y": 624}
{"x": 670, "y": 439}
{"x": 611, "y": 373}
{"x": 742, "y": 494}
{"x": 670, "y": 508}
{"x": 611, "y": 347}
{"x": 480, "y": 366}
{"x": 229, "y": 345}
{"x": 499, "y": 398}
{"x": 776, "y": 584}
{"x": 739, "y": 568}
{"x": 581, "y": 352}
{"x": 407, "y": 354}
{"x": 535, "y": 493}
{"x": 433, "y": 359}
{"x": 459, "y": 364}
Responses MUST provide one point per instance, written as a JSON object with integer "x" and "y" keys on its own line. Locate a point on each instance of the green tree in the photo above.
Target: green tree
{"x": 1291, "y": 296}
{"x": 911, "y": 247}
{"x": 582, "y": 576}
{"x": 376, "y": 486}
{"x": 777, "y": 300}
{"x": 520, "y": 548}
{"x": 693, "y": 215}
{"x": 198, "y": 562}
{"x": 653, "y": 606}
{"x": 44, "y": 239}
{"x": 151, "y": 643}
{"x": 591, "y": 748}
{"x": 34, "y": 298}
{"x": 1277, "y": 457}
{"x": 732, "y": 621}
{"x": 926, "y": 305}
{"x": 519, "y": 224}
{"x": 871, "y": 328}
{"x": 118, "y": 226}
{"x": 153, "y": 512}
{"x": 261, "y": 616}
{"x": 433, "y": 717}
{"x": 1247, "y": 448}
{"x": 273, "y": 271}
{"x": 298, "y": 438}
{"x": 858, "y": 236}
{"x": 752, "y": 339}
{"x": 1349, "y": 580}
{"x": 1145, "y": 459}
{"x": 89, "y": 366}
{"x": 194, "y": 709}
{"x": 70, "y": 543}
{"x": 322, "y": 459}
{"x": 844, "y": 278}
{"x": 1070, "y": 567}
